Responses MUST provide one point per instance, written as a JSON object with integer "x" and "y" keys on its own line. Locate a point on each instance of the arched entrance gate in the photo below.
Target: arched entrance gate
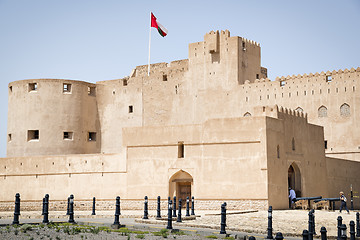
{"x": 294, "y": 179}
{"x": 180, "y": 186}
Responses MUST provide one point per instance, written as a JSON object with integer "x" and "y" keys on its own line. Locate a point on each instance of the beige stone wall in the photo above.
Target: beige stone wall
{"x": 85, "y": 176}
{"x": 307, "y": 155}
{"x": 341, "y": 175}
{"x": 52, "y": 112}
{"x": 225, "y": 158}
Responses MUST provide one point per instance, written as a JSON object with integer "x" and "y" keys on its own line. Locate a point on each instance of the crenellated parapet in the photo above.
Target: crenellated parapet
{"x": 326, "y": 76}
{"x": 178, "y": 66}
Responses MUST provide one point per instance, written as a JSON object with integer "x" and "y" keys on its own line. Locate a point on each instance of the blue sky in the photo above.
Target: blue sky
{"x": 100, "y": 40}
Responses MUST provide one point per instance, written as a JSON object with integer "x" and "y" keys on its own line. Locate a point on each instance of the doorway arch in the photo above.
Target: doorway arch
{"x": 180, "y": 185}
{"x": 294, "y": 178}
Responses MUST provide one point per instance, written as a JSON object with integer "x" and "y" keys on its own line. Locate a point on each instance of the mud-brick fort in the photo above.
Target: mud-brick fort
{"x": 211, "y": 126}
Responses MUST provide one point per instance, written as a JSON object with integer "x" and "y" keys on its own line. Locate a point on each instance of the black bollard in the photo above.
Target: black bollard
{"x": 169, "y": 225}
{"x": 46, "y": 209}
{"x": 339, "y": 222}
{"x": 117, "y": 211}
{"x": 357, "y": 225}
{"x": 158, "y": 215}
{"x": 93, "y": 208}
{"x": 223, "y": 218}
{"x": 323, "y": 233}
{"x": 310, "y": 228}
{"x": 17, "y": 209}
{"x": 343, "y": 232}
{"x": 68, "y": 207}
{"x": 179, "y": 213}
{"x": 313, "y": 221}
{"x": 43, "y": 207}
{"x": 305, "y": 235}
{"x": 279, "y": 236}
{"x": 269, "y": 229}
{"x": 187, "y": 207}
{"x": 174, "y": 208}
{"x": 352, "y": 230}
{"x": 71, "y": 209}
{"x": 146, "y": 213}
{"x": 192, "y": 206}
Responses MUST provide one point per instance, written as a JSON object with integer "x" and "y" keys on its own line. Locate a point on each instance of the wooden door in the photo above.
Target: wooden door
{"x": 184, "y": 191}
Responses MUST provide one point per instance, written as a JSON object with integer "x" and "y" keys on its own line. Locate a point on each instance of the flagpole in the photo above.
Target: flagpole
{"x": 149, "y": 46}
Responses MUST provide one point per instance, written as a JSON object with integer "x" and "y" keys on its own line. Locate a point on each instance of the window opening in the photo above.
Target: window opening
{"x": 165, "y": 78}
{"x": 325, "y": 144}
{"x": 282, "y": 83}
{"x": 131, "y": 109}
{"x": 68, "y": 135}
{"x": 181, "y": 149}
{"x": 328, "y": 78}
{"x": 278, "y": 151}
{"x": 9, "y": 137}
{"x": 67, "y": 88}
{"x": 322, "y": 111}
{"x": 33, "y": 135}
{"x": 125, "y": 82}
{"x": 345, "y": 110}
{"x": 32, "y": 87}
{"x": 92, "y": 136}
{"x": 10, "y": 88}
{"x": 293, "y": 144}
{"x": 91, "y": 91}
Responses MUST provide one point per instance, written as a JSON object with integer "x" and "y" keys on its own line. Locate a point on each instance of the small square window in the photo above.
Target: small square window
{"x": 32, "y": 87}
{"x": 92, "y": 136}
{"x": 328, "y": 78}
{"x": 125, "y": 83}
{"x": 282, "y": 83}
{"x": 33, "y": 135}
{"x": 68, "y": 135}
{"x": 9, "y": 137}
{"x": 67, "y": 88}
{"x": 131, "y": 109}
{"x": 91, "y": 91}
{"x": 164, "y": 77}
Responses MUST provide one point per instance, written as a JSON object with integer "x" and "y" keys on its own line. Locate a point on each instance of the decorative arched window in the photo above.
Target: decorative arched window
{"x": 345, "y": 110}
{"x": 322, "y": 111}
{"x": 247, "y": 114}
{"x": 278, "y": 151}
{"x": 293, "y": 144}
{"x": 299, "y": 109}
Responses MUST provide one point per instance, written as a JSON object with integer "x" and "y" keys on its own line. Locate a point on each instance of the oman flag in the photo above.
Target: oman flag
{"x": 161, "y": 29}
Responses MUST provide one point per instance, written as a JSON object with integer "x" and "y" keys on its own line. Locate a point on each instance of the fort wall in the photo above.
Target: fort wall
{"x": 52, "y": 116}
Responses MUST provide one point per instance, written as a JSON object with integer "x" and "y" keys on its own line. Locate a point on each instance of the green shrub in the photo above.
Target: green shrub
{"x": 141, "y": 236}
{"x": 26, "y": 227}
{"x": 212, "y": 236}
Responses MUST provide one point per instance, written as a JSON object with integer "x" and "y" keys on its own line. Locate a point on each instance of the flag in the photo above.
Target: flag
{"x": 161, "y": 29}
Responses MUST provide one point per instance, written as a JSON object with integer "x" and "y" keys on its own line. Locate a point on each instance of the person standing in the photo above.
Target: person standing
{"x": 343, "y": 202}
{"x": 292, "y": 196}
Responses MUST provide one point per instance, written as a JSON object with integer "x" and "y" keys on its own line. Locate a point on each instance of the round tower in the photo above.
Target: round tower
{"x": 52, "y": 117}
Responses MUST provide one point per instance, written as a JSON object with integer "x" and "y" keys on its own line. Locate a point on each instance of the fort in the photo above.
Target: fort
{"x": 211, "y": 126}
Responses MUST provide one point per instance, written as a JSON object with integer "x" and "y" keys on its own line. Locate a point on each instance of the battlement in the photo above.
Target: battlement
{"x": 326, "y": 75}
{"x": 291, "y": 112}
{"x": 161, "y": 68}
